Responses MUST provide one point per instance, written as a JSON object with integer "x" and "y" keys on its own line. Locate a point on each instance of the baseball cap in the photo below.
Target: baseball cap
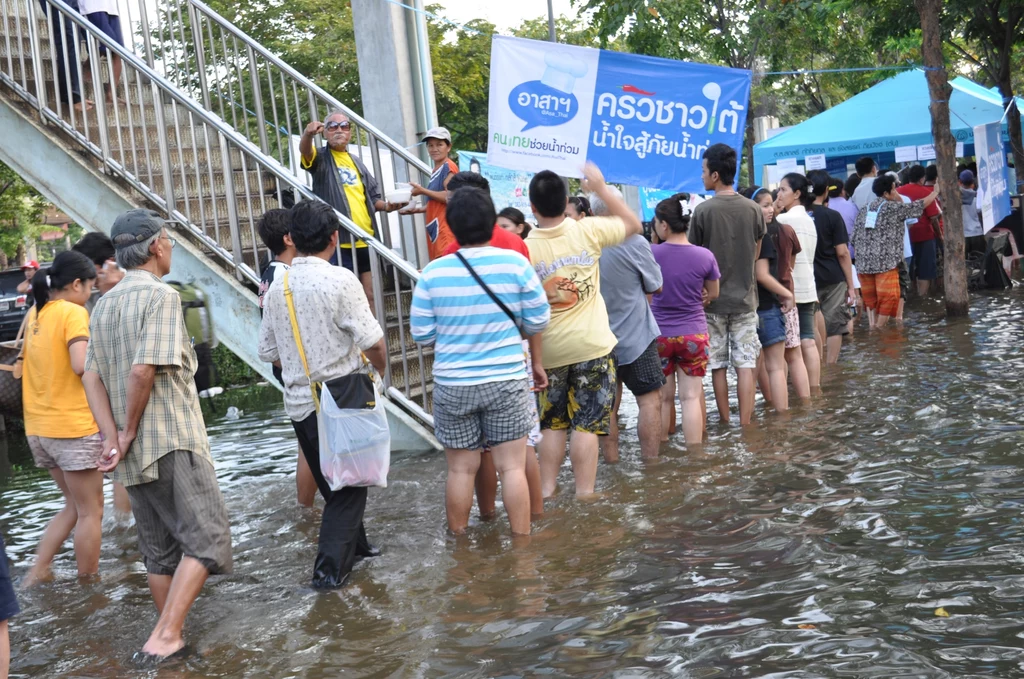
{"x": 135, "y": 226}
{"x": 438, "y": 133}
{"x": 31, "y": 264}
{"x": 967, "y": 177}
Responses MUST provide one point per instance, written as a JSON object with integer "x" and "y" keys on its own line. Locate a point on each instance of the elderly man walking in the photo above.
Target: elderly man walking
{"x": 342, "y": 181}
{"x": 139, "y": 370}
{"x": 628, "y": 274}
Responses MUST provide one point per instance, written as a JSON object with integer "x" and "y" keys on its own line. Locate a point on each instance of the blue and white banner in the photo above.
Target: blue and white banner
{"x": 993, "y": 178}
{"x": 509, "y": 188}
{"x": 645, "y": 121}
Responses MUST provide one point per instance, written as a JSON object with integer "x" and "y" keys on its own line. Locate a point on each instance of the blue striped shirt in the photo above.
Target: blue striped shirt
{"x": 474, "y": 340}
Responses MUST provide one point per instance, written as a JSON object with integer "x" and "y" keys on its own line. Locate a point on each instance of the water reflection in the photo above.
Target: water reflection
{"x": 818, "y": 544}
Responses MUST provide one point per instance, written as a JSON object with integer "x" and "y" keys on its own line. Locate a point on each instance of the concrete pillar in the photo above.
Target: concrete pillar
{"x": 386, "y": 73}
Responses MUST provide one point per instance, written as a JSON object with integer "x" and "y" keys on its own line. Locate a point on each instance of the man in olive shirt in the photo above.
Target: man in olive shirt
{"x": 139, "y": 380}
{"x": 732, "y": 227}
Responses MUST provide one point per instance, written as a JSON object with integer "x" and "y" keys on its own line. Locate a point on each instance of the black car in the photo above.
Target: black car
{"x": 13, "y": 305}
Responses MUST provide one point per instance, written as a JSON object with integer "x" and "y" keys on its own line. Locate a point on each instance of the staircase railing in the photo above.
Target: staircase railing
{"x": 266, "y": 100}
{"x": 185, "y": 161}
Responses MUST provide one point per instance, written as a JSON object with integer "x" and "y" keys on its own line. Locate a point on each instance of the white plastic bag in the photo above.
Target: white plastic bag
{"x": 355, "y": 445}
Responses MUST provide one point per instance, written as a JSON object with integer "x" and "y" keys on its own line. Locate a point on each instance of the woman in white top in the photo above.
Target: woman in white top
{"x": 795, "y": 196}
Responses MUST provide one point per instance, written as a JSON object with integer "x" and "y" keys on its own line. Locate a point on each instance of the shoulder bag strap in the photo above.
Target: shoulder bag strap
{"x": 298, "y": 339}
{"x": 490, "y": 293}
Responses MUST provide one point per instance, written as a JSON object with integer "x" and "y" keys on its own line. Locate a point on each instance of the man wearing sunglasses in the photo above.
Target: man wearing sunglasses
{"x": 342, "y": 181}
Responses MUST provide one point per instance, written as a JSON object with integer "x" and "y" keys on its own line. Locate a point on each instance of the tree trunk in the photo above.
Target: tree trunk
{"x": 955, "y": 266}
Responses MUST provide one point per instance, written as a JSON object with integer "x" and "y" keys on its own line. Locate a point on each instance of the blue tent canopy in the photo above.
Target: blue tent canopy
{"x": 875, "y": 122}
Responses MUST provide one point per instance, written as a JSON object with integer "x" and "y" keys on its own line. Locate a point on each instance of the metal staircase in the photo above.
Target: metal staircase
{"x": 203, "y": 127}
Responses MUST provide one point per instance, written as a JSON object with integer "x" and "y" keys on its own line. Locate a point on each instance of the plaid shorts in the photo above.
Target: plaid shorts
{"x": 643, "y": 375}
{"x": 182, "y": 513}
{"x": 70, "y": 455}
{"x": 469, "y": 416}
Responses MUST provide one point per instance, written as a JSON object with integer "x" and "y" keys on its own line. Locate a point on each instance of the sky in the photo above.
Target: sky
{"x": 505, "y": 14}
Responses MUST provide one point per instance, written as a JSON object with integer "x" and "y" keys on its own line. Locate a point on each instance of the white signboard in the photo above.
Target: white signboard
{"x": 959, "y": 149}
{"x": 926, "y": 152}
{"x": 786, "y": 165}
{"x": 815, "y": 162}
{"x": 906, "y": 154}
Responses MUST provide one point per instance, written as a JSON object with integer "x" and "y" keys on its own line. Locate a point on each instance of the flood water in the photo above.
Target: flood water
{"x": 815, "y": 545}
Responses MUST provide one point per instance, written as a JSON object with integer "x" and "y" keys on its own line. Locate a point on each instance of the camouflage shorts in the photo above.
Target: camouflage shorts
{"x": 580, "y": 397}
{"x": 733, "y": 340}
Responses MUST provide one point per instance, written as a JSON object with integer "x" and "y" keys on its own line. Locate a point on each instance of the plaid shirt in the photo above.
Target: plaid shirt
{"x": 140, "y": 322}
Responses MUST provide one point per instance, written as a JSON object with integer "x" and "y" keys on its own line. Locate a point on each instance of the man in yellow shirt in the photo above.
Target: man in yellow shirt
{"x": 343, "y": 182}
{"x": 578, "y": 344}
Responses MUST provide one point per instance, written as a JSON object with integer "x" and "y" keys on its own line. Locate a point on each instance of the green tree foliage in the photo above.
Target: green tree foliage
{"x": 21, "y": 210}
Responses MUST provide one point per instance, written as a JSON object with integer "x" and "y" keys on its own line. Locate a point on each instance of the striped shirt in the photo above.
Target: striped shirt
{"x": 474, "y": 340}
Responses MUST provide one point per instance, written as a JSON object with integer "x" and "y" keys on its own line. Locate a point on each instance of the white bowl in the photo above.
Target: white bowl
{"x": 399, "y": 195}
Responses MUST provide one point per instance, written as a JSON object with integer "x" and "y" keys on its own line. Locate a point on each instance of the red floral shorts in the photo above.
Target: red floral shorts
{"x": 688, "y": 352}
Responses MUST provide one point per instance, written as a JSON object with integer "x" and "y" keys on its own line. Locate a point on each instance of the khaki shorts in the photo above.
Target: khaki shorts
{"x": 70, "y": 455}
{"x": 834, "y": 309}
{"x": 733, "y": 340}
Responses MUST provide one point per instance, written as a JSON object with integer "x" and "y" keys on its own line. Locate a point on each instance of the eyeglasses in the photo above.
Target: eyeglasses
{"x": 335, "y": 125}
{"x": 170, "y": 240}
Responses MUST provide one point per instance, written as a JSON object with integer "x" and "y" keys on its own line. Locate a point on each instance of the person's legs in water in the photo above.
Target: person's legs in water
{"x": 794, "y": 355}
{"x": 775, "y": 365}
{"x": 305, "y": 484}
{"x": 610, "y": 444}
{"x": 551, "y": 454}
{"x": 510, "y": 461}
{"x": 718, "y": 331}
{"x": 691, "y": 389}
{"x": 86, "y": 488}
{"x": 808, "y": 344}
{"x": 820, "y": 334}
{"x": 533, "y": 481}
{"x": 462, "y": 468}
{"x": 744, "y": 348}
{"x": 592, "y": 388}
{"x": 554, "y": 424}
{"x": 57, "y": 531}
{"x": 180, "y": 512}
{"x": 763, "y": 384}
{"x": 342, "y": 538}
{"x": 668, "y": 404}
{"x": 8, "y": 609}
{"x": 649, "y": 423}
{"x": 122, "y": 501}
{"x": 486, "y": 485}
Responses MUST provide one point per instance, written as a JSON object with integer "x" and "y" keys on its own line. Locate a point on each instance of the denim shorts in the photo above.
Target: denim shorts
{"x": 807, "y": 310}
{"x": 771, "y": 326}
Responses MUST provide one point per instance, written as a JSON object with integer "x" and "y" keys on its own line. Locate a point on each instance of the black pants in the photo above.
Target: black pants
{"x": 342, "y": 536}
{"x": 64, "y": 37}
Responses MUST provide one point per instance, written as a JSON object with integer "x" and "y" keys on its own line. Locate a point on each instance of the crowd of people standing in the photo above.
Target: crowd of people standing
{"x": 534, "y": 330}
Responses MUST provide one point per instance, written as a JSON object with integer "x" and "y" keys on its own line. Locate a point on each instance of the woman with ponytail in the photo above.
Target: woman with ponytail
{"x": 791, "y": 205}
{"x": 61, "y": 430}
{"x": 690, "y": 275}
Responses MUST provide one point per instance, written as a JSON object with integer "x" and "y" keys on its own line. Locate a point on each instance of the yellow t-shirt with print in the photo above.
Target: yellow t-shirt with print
{"x": 52, "y": 394}
{"x": 565, "y": 258}
{"x": 355, "y": 193}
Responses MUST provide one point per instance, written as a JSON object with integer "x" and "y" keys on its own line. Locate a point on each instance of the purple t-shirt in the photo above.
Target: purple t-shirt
{"x": 684, "y": 268}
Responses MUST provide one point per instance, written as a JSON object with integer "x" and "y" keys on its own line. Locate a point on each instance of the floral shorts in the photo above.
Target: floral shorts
{"x": 792, "y": 318}
{"x": 689, "y": 353}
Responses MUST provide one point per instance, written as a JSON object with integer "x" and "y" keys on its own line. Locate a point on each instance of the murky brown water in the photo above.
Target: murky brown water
{"x": 819, "y": 545}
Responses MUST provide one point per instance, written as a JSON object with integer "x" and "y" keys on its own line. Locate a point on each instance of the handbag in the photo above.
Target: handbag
{"x": 352, "y": 425}
{"x": 490, "y": 293}
{"x": 17, "y": 368}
